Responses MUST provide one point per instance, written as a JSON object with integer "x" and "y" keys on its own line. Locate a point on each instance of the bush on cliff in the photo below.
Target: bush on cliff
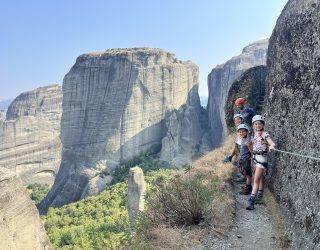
{"x": 38, "y": 191}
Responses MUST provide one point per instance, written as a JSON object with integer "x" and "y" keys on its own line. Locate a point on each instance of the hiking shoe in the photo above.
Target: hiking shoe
{"x": 247, "y": 190}
{"x": 259, "y": 199}
{"x": 250, "y": 203}
{"x": 240, "y": 179}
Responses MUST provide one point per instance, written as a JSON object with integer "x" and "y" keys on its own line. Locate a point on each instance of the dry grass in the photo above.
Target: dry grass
{"x": 222, "y": 207}
{"x": 278, "y": 220}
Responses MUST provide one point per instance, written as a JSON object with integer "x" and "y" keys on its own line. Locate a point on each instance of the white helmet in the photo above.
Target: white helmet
{"x": 257, "y": 118}
{"x": 237, "y": 115}
{"x": 243, "y": 126}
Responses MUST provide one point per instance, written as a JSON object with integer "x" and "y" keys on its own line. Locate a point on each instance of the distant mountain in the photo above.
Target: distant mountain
{"x": 204, "y": 101}
{"x": 4, "y": 103}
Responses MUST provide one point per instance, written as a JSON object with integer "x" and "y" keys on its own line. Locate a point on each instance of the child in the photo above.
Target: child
{"x": 261, "y": 144}
{"x": 243, "y": 143}
{"x": 237, "y": 119}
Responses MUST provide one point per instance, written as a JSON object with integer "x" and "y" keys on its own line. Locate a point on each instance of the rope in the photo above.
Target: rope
{"x": 295, "y": 154}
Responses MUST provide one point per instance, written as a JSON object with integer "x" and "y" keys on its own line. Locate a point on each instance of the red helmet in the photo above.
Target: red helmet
{"x": 240, "y": 101}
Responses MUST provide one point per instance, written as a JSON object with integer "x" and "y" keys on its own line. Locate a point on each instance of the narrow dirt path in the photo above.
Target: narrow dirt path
{"x": 251, "y": 230}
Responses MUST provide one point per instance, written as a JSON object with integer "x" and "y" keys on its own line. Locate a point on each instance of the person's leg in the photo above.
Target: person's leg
{"x": 249, "y": 179}
{"x": 261, "y": 183}
{"x": 257, "y": 177}
{"x": 246, "y": 164}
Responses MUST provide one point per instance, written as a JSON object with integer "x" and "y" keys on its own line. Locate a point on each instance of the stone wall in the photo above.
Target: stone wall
{"x": 293, "y": 118}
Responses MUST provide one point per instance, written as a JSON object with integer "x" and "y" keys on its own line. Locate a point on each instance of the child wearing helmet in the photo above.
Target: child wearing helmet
{"x": 243, "y": 143}
{"x": 237, "y": 119}
{"x": 262, "y": 143}
{"x": 246, "y": 113}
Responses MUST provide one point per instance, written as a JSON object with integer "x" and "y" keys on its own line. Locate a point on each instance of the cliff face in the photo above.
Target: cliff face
{"x": 185, "y": 130}
{"x": 114, "y": 108}
{"x": 251, "y": 85}
{"x": 220, "y": 80}
{"x": 21, "y": 227}
{"x": 293, "y": 117}
{"x": 29, "y": 137}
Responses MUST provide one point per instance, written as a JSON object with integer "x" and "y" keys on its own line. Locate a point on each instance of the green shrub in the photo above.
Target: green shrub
{"x": 147, "y": 161}
{"x": 185, "y": 200}
{"x": 38, "y": 191}
{"x": 100, "y": 222}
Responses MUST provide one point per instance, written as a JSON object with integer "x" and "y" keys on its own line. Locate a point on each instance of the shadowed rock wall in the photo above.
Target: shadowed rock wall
{"x": 251, "y": 85}
{"x": 293, "y": 118}
{"x": 220, "y": 80}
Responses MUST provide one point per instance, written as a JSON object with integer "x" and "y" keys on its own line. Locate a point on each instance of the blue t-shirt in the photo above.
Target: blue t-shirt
{"x": 247, "y": 115}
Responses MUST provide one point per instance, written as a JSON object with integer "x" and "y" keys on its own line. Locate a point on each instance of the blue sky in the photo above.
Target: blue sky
{"x": 41, "y": 39}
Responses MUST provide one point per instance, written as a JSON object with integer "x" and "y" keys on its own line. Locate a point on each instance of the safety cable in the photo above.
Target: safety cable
{"x": 295, "y": 154}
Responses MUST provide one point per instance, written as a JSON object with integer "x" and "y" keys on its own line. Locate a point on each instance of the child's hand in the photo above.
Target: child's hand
{"x": 227, "y": 159}
{"x": 272, "y": 147}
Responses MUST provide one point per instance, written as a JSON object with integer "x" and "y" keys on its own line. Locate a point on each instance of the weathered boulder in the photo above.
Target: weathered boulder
{"x": 136, "y": 192}
{"x": 220, "y": 80}
{"x": 293, "y": 108}
{"x": 29, "y": 137}
{"x": 20, "y": 226}
{"x": 114, "y": 107}
{"x": 251, "y": 85}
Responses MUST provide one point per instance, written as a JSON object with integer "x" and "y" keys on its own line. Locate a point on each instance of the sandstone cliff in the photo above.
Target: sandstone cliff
{"x": 293, "y": 108}
{"x": 220, "y": 80}
{"x": 29, "y": 137}
{"x": 114, "y": 107}
{"x": 20, "y": 226}
{"x": 184, "y": 140}
{"x": 252, "y": 85}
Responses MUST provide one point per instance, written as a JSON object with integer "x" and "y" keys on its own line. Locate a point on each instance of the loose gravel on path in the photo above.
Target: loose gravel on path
{"x": 252, "y": 230}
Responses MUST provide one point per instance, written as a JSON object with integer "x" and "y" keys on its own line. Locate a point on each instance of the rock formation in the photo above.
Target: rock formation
{"x": 114, "y": 107}
{"x": 184, "y": 140}
{"x": 220, "y": 80}
{"x": 293, "y": 108}
{"x": 29, "y": 137}
{"x": 251, "y": 84}
{"x": 136, "y": 192}
{"x": 21, "y": 227}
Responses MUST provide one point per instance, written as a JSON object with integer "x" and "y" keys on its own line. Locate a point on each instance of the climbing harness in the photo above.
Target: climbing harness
{"x": 295, "y": 154}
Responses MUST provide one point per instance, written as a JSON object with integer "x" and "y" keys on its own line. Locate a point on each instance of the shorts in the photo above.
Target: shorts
{"x": 260, "y": 161}
{"x": 245, "y": 166}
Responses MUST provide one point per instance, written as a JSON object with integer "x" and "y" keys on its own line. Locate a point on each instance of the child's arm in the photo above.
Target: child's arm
{"x": 271, "y": 143}
{"x": 234, "y": 151}
{"x": 249, "y": 145}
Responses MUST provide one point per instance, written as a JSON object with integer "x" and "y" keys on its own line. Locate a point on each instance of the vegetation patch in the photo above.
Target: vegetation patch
{"x": 101, "y": 222}
{"x": 181, "y": 206}
{"x": 38, "y": 191}
{"x": 192, "y": 203}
